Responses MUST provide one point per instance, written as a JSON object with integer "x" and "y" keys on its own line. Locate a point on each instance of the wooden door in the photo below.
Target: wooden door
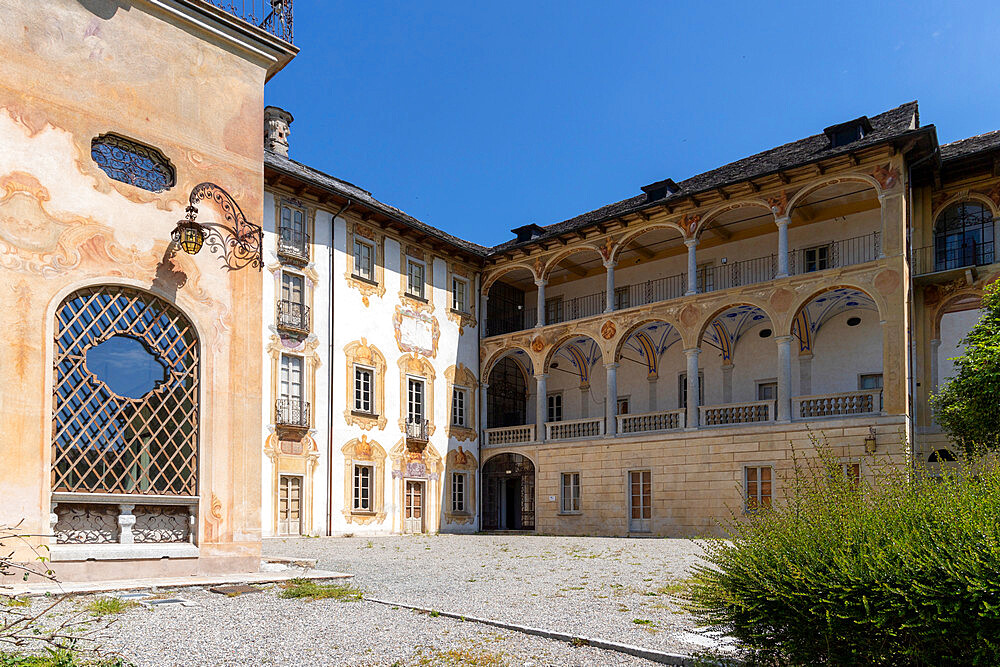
{"x": 290, "y": 505}
{"x": 413, "y": 517}
{"x": 640, "y": 501}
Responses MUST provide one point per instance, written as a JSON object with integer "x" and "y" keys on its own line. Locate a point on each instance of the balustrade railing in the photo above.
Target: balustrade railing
{"x": 651, "y": 421}
{"x": 836, "y": 254}
{"x": 931, "y": 259}
{"x": 293, "y": 316}
{"x": 291, "y": 412}
{"x": 835, "y": 405}
{"x": 575, "y": 428}
{"x": 273, "y": 16}
{"x": 510, "y": 435}
{"x": 293, "y": 243}
{"x": 417, "y": 429}
{"x": 737, "y": 413}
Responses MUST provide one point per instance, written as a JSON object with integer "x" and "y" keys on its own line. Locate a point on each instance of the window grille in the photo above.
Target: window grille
{"x": 130, "y": 162}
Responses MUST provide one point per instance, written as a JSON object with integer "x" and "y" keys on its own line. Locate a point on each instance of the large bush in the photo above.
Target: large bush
{"x": 901, "y": 570}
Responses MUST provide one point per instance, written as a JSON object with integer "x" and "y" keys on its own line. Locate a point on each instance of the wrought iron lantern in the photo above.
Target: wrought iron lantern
{"x": 188, "y": 234}
{"x": 870, "y": 441}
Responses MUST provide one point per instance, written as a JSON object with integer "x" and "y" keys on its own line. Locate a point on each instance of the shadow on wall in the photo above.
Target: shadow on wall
{"x": 103, "y": 9}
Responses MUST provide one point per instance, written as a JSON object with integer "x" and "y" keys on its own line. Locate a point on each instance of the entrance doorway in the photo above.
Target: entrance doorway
{"x": 290, "y": 505}
{"x": 509, "y": 499}
{"x": 640, "y": 501}
{"x": 413, "y": 516}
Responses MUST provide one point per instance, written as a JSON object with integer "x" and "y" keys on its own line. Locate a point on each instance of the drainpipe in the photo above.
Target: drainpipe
{"x": 476, "y": 483}
{"x": 329, "y": 391}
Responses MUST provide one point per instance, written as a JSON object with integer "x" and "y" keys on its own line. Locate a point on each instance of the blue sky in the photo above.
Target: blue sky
{"x": 479, "y": 117}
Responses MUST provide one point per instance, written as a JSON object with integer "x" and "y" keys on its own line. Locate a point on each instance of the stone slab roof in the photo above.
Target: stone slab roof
{"x": 966, "y": 147}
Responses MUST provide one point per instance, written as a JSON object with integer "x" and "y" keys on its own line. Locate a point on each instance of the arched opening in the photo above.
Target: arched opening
{"x": 125, "y": 417}
{"x": 963, "y": 236}
{"x": 737, "y": 247}
{"x": 510, "y": 304}
{"x": 851, "y": 218}
{"x": 650, "y": 267}
{"x": 508, "y": 493}
{"x": 575, "y": 285}
{"x": 650, "y": 364}
{"x": 575, "y": 390}
{"x": 837, "y": 355}
{"x": 507, "y": 393}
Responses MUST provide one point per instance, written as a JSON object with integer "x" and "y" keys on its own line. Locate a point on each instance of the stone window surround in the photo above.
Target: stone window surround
{"x": 360, "y": 353}
{"x": 408, "y": 253}
{"x": 367, "y": 288}
{"x": 757, "y": 465}
{"x": 415, "y": 366}
{"x": 461, "y": 461}
{"x": 362, "y": 451}
{"x": 562, "y": 491}
{"x": 464, "y": 378}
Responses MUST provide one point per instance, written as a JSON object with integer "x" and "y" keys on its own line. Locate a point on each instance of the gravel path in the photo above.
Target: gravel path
{"x": 593, "y": 586}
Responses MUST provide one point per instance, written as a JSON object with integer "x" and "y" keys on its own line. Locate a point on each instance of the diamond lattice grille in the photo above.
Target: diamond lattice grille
{"x": 103, "y": 442}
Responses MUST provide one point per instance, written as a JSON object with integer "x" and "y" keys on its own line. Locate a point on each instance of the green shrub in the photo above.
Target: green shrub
{"x": 901, "y": 570}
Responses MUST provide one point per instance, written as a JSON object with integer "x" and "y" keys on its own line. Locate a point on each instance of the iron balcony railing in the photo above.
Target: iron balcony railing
{"x": 515, "y": 320}
{"x": 651, "y": 291}
{"x": 273, "y": 16}
{"x": 291, "y": 413}
{"x": 417, "y": 429}
{"x": 293, "y": 316}
{"x": 737, "y": 274}
{"x": 835, "y": 255}
{"x": 574, "y": 309}
{"x": 293, "y": 243}
{"x": 931, "y": 259}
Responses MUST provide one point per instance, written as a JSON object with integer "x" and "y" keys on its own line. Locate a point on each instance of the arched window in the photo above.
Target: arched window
{"x": 125, "y": 404}
{"x": 131, "y": 162}
{"x": 963, "y": 236}
{"x": 507, "y": 395}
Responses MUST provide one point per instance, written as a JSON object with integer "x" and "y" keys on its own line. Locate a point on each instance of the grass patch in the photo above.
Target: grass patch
{"x": 459, "y": 657}
{"x": 16, "y": 602}
{"x": 107, "y": 606}
{"x": 56, "y": 658}
{"x": 676, "y": 588}
{"x": 306, "y": 588}
{"x": 643, "y": 621}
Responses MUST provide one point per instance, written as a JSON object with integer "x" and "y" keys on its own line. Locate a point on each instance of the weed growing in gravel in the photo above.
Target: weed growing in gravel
{"x": 105, "y": 606}
{"x": 675, "y": 588}
{"x": 16, "y": 602}
{"x": 56, "y": 658}
{"x": 643, "y": 621}
{"x": 306, "y": 588}
{"x": 457, "y": 657}
{"x": 369, "y": 545}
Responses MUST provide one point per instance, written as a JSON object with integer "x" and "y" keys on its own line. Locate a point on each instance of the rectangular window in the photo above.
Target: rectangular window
{"x": 554, "y": 310}
{"x": 870, "y": 381}
{"x": 291, "y": 288}
{"x": 291, "y": 378}
{"x": 364, "y": 260}
{"x": 758, "y": 487}
{"x": 816, "y": 258}
{"x": 554, "y": 408}
{"x": 767, "y": 390}
{"x": 570, "y": 492}
{"x": 363, "y": 383}
{"x": 852, "y": 472}
{"x": 458, "y": 492}
{"x": 623, "y": 405}
{"x": 415, "y": 401}
{"x": 682, "y": 389}
{"x": 459, "y": 295}
{"x": 363, "y": 479}
{"x": 622, "y": 298}
{"x": 458, "y": 406}
{"x": 415, "y": 279}
{"x": 293, "y": 220}
{"x": 640, "y": 500}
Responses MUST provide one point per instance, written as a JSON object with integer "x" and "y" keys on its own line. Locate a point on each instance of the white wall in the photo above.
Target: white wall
{"x": 954, "y": 327}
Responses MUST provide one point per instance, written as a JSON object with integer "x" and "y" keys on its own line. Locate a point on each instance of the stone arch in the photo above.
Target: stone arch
{"x": 722, "y": 209}
{"x": 960, "y": 197}
{"x": 494, "y": 275}
{"x": 646, "y": 342}
{"x": 560, "y": 342}
{"x": 365, "y": 452}
{"x": 867, "y": 179}
{"x": 967, "y": 299}
{"x": 496, "y": 356}
{"x": 552, "y": 262}
{"x": 706, "y": 322}
{"x": 808, "y": 298}
{"x": 636, "y": 233}
{"x": 506, "y": 475}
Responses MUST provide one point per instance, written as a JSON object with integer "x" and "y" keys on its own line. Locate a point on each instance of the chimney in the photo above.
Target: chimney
{"x": 276, "y": 130}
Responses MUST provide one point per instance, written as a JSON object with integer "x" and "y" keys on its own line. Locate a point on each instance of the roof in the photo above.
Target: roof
{"x": 356, "y": 194}
{"x": 887, "y": 125}
{"x": 967, "y": 147}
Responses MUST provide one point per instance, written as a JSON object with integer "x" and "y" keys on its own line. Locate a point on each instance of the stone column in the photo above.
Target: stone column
{"x": 692, "y": 267}
{"x": 935, "y": 346}
{"x": 653, "y": 380}
{"x": 540, "y": 407}
{"x": 782, "y": 223}
{"x": 584, "y": 400}
{"x": 541, "y": 303}
{"x": 727, "y": 383}
{"x": 692, "y": 386}
{"x": 483, "y": 303}
{"x": 483, "y": 389}
{"x": 805, "y": 374}
{"x": 784, "y": 378}
{"x": 126, "y": 520}
{"x": 610, "y": 286}
{"x": 611, "y": 400}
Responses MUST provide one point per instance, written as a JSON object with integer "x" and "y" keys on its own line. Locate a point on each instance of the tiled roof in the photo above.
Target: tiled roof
{"x": 966, "y": 147}
{"x": 887, "y": 125}
{"x": 356, "y": 194}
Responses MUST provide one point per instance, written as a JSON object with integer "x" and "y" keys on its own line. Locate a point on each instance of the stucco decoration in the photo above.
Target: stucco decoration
{"x": 782, "y": 299}
{"x": 778, "y": 204}
{"x": 416, "y": 331}
{"x": 360, "y": 353}
{"x": 464, "y": 463}
{"x": 887, "y": 282}
{"x": 413, "y": 365}
{"x": 299, "y": 457}
{"x": 689, "y": 316}
{"x": 362, "y": 451}
{"x": 538, "y": 344}
{"x": 608, "y": 330}
{"x": 887, "y": 176}
{"x": 461, "y": 376}
{"x": 214, "y": 518}
{"x": 466, "y": 318}
{"x": 368, "y": 288}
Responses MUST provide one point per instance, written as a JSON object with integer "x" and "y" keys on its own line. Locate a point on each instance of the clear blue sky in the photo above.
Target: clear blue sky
{"x": 479, "y": 117}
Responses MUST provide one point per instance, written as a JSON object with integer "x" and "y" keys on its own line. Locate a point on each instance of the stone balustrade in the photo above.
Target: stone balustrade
{"x": 510, "y": 435}
{"x": 648, "y": 422}
{"x": 737, "y": 413}
{"x": 836, "y": 405}
{"x": 576, "y": 428}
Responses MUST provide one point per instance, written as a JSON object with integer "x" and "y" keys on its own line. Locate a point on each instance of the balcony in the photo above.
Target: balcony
{"x": 292, "y": 316}
{"x": 417, "y": 429}
{"x": 510, "y": 435}
{"x": 273, "y": 16}
{"x": 651, "y": 422}
{"x": 575, "y": 429}
{"x": 837, "y": 405}
{"x": 293, "y": 244}
{"x": 292, "y": 413}
{"x": 938, "y": 258}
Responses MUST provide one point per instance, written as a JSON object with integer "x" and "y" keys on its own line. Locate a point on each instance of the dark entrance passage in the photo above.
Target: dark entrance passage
{"x": 509, "y": 498}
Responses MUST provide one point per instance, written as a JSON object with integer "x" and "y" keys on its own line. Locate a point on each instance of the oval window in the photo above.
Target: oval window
{"x": 133, "y": 163}
{"x": 853, "y": 321}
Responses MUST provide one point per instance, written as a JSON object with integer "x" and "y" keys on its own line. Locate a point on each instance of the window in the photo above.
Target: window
{"x": 459, "y": 295}
{"x": 767, "y": 390}
{"x": 758, "y": 487}
{"x": 623, "y": 405}
{"x": 132, "y": 163}
{"x": 364, "y": 260}
{"x": 458, "y": 492}
{"x": 291, "y": 287}
{"x": 622, "y": 298}
{"x": 415, "y": 279}
{"x": 292, "y": 232}
{"x": 364, "y": 380}
{"x": 682, "y": 389}
{"x": 852, "y": 472}
{"x": 458, "y": 406}
{"x": 554, "y": 310}
{"x": 291, "y": 378}
{"x": 554, "y": 408}
{"x": 640, "y": 501}
{"x": 415, "y": 401}
{"x": 816, "y": 259}
{"x": 963, "y": 236}
{"x": 290, "y": 505}
{"x": 870, "y": 381}
{"x": 570, "y": 492}
{"x": 363, "y": 478}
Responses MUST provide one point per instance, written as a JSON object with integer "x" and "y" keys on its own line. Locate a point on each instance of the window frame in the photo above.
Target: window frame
{"x": 459, "y": 496}
{"x": 682, "y": 389}
{"x": 371, "y": 390}
{"x": 569, "y": 503}
{"x": 553, "y": 403}
{"x": 302, "y": 377}
{"x": 356, "y": 490}
{"x": 554, "y": 303}
{"x": 767, "y": 382}
{"x": 413, "y": 262}
{"x": 456, "y": 391}
{"x": 863, "y": 376}
{"x": 416, "y": 380}
{"x": 758, "y": 504}
{"x": 355, "y": 272}
{"x": 825, "y": 261}
{"x": 455, "y": 281}
{"x": 626, "y": 401}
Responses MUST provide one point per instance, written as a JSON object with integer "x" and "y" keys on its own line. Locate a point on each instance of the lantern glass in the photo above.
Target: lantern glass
{"x": 189, "y": 236}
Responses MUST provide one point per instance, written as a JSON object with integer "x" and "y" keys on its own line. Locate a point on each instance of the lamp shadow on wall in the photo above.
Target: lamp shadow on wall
{"x": 104, "y": 9}
{"x": 169, "y": 278}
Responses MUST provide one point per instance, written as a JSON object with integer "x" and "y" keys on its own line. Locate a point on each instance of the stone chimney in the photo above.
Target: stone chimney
{"x": 276, "y": 130}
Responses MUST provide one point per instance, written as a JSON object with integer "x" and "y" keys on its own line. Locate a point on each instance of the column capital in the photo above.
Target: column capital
{"x": 611, "y": 365}
{"x": 541, "y": 282}
{"x": 784, "y": 339}
{"x": 541, "y": 376}
{"x": 609, "y": 263}
{"x": 782, "y": 220}
{"x": 691, "y": 243}
{"x": 692, "y": 351}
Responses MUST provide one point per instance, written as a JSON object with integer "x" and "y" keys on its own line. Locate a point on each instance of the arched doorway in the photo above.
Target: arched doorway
{"x": 507, "y": 393}
{"x": 509, "y": 493}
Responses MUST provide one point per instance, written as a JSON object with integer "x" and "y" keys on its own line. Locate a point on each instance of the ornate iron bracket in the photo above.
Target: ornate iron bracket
{"x": 237, "y": 240}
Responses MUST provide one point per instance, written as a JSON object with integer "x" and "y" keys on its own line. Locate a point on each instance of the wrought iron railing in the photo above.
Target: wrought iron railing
{"x": 293, "y": 243}
{"x": 737, "y": 274}
{"x": 651, "y": 291}
{"x": 835, "y": 254}
{"x": 517, "y": 320}
{"x": 273, "y": 16}
{"x": 291, "y": 412}
{"x": 417, "y": 429}
{"x": 576, "y": 308}
{"x": 293, "y": 316}
{"x": 931, "y": 259}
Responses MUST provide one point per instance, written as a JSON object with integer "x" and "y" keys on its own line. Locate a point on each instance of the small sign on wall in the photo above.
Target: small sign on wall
{"x": 552, "y": 499}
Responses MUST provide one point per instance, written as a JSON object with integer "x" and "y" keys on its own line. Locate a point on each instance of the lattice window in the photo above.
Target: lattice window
{"x": 125, "y": 420}
{"x": 132, "y": 163}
